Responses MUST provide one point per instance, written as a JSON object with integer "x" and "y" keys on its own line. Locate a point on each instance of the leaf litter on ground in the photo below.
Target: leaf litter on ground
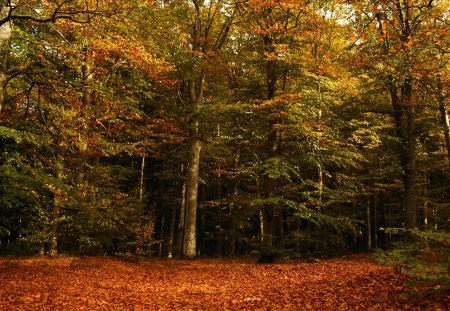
{"x": 105, "y": 283}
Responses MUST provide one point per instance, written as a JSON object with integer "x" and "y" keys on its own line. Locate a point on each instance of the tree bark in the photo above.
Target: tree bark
{"x": 267, "y": 226}
{"x": 5, "y": 36}
{"x": 404, "y": 107}
{"x": 189, "y": 245}
{"x": 196, "y": 86}
{"x": 410, "y": 169}
{"x": 444, "y": 116}
{"x": 171, "y": 234}
{"x": 180, "y": 231}
{"x": 201, "y": 43}
{"x": 87, "y": 100}
{"x": 404, "y": 116}
{"x": 141, "y": 180}
{"x": 56, "y": 211}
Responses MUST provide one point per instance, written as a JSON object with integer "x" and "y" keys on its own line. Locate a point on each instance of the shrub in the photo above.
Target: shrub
{"x": 426, "y": 258}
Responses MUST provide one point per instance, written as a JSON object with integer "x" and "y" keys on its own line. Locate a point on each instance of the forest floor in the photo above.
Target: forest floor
{"x": 103, "y": 283}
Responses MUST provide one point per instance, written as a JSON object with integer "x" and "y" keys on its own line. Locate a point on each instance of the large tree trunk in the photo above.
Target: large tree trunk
{"x": 190, "y": 237}
{"x": 5, "y": 36}
{"x": 404, "y": 116}
{"x": 196, "y": 88}
{"x": 201, "y": 44}
{"x": 404, "y": 111}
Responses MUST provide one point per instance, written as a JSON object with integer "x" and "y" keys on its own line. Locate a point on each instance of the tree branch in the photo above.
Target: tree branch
{"x": 78, "y": 16}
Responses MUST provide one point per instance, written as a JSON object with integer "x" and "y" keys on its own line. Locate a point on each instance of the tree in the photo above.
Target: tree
{"x": 209, "y": 24}
{"x": 42, "y": 12}
{"x": 399, "y": 29}
{"x": 72, "y": 96}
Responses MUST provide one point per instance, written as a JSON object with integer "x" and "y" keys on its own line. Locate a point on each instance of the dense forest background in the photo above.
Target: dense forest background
{"x": 223, "y": 128}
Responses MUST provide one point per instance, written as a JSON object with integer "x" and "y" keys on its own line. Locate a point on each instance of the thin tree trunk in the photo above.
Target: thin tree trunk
{"x": 182, "y": 219}
{"x": 267, "y": 226}
{"x": 56, "y": 211}
{"x": 171, "y": 234}
{"x": 279, "y": 226}
{"x": 446, "y": 126}
{"x": 444, "y": 116}
{"x": 161, "y": 236}
{"x": 141, "y": 180}
{"x": 233, "y": 226}
{"x": 232, "y": 238}
{"x": 87, "y": 76}
{"x": 5, "y": 36}
{"x": 425, "y": 204}
{"x": 375, "y": 219}
{"x": 261, "y": 227}
{"x": 410, "y": 153}
{"x": 382, "y": 225}
{"x": 369, "y": 226}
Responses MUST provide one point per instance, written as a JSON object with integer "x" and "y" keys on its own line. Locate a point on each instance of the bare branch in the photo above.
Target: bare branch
{"x": 75, "y": 15}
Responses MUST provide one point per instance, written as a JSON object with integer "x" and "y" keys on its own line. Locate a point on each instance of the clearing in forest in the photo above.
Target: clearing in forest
{"x": 110, "y": 284}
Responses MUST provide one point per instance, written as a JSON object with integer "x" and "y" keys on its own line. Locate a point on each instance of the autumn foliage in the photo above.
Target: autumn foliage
{"x": 112, "y": 284}
{"x": 278, "y": 129}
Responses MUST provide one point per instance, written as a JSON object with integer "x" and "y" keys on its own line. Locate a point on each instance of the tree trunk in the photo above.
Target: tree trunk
{"x": 446, "y": 127}
{"x": 382, "y": 225}
{"x": 192, "y": 177}
{"x": 201, "y": 43}
{"x": 56, "y": 211}
{"x": 196, "y": 87}
{"x": 369, "y": 226}
{"x": 5, "y": 36}
{"x": 87, "y": 101}
{"x": 375, "y": 219}
{"x": 171, "y": 234}
{"x": 404, "y": 116}
{"x": 161, "y": 236}
{"x": 279, "y": 225}
{"x": 444, "y": 116}
{"x": 404, "y": 111}
{"x": 189, "y": 245}
{"x": 269, "y": 184}
{"x": 182, "y": 218}
{"x": 410, "y": 156}
{"x": 232, "y": 233}
{"x": 267, "y": 227}
{"x": 141, "y": 180}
